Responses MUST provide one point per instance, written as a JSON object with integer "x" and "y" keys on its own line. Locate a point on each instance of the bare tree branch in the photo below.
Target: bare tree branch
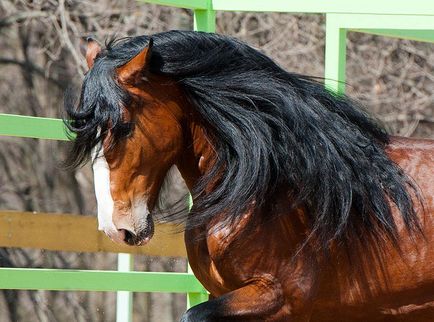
{"x": 35, "y": 69}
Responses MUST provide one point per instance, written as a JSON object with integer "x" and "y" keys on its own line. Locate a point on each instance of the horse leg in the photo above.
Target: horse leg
{"x": 260, "y": 300}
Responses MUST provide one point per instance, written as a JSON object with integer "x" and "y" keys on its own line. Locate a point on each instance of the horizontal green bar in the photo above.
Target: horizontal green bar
{"x": 32, "y": 127}
{"x": 93, "y": 280}
{"x": 395, "y": 22}
{"x": 419, "y": 35}
{"x": 390, "y": 7}
{"x": 187, "y": 4}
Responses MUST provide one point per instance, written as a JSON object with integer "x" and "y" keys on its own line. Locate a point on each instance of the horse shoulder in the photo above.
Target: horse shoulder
{"x": 250, "y": 250}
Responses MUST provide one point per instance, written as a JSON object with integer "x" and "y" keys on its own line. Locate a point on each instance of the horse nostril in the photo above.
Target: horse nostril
{"x": 129, "y": 237}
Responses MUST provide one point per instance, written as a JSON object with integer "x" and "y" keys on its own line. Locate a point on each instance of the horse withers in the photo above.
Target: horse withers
{"x": 304, "y": 209}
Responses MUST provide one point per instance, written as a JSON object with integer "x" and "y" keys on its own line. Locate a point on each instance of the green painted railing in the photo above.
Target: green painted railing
{"x": 394, "y": 18}
{"x": 94, "y": 280}
{"x": 32, "y": 127}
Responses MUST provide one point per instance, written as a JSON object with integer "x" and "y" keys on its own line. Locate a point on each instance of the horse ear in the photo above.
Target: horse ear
{"x": 136, "y": 64}
{"x": 92, "y": 50}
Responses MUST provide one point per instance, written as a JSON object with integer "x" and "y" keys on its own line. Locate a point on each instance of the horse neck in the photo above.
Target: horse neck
{"x": 198, "y": 154}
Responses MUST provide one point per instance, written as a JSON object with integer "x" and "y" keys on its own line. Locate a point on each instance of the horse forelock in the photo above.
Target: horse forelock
{"x": 102, "y": 104}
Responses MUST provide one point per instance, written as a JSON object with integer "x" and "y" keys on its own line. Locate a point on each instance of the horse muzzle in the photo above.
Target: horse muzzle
{"x": 126, "y": 230}
{"x": 141, "y": 237}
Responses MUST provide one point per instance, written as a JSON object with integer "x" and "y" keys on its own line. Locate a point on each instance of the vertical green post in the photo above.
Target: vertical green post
{"x": 195, "y": 298}
{"x": 204, "y": 19}
{"x": 124, "y": 299}
{"x": 335, "y": 54}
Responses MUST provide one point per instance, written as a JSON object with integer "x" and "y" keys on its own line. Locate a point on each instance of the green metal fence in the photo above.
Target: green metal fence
{"x": 394, "y": 18}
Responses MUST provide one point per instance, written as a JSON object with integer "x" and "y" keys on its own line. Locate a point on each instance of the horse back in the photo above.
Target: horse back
{"x": 416, "y": 158}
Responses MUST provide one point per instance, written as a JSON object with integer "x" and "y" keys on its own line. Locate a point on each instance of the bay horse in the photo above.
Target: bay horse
{"x": 304, "y": 209}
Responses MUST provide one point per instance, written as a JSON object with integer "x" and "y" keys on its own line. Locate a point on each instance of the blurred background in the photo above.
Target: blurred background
{"x": 40, "y": 57}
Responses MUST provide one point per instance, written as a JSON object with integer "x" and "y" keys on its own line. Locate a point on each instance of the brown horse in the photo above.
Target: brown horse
{"x": 303, "y": 208}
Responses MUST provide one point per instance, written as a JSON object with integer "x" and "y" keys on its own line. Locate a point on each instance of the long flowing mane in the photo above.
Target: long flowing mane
{"x": 269, "y": 128}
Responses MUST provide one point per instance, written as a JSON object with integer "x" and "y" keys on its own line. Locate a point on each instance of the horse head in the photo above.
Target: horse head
{"x": 129, "y": 172}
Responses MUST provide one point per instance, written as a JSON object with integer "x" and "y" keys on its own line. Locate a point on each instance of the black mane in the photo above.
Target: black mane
{"x": 270, "y": 128}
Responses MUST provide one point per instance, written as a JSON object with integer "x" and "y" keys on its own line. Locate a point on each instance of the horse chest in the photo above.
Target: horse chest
{"x": 203, "y": 265}
{"x": 226, "y": 259}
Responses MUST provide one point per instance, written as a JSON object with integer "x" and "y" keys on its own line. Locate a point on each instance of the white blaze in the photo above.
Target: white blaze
{"x": 105, "y": 204}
